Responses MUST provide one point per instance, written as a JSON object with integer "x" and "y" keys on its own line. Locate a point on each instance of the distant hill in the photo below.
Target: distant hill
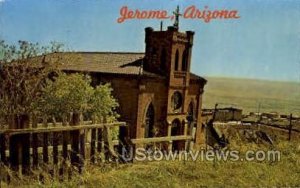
{"x": 283, "y": 97}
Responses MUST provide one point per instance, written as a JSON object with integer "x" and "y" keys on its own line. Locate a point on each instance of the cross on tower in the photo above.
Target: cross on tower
{"x": 176, "y": 14}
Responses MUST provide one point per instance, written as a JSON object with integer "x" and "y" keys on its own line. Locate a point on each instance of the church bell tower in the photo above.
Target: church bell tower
{"x": 168, "y": 53}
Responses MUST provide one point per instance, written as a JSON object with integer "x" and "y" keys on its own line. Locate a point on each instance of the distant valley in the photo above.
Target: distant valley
{"x": 253, "y": 95}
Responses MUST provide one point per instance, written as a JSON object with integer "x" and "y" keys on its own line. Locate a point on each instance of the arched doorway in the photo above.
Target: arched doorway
{"x": 149, "y": 121}
{"x": 177, "y": 130}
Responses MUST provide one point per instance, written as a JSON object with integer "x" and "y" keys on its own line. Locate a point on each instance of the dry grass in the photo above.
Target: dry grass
{"x": 285, "y": 173}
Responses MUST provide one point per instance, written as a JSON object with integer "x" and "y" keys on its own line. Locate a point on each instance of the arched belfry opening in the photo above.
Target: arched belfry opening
{"x": 176, "y": 60}
{"x": 184, "y": 60}
{"x": 149, "y": 121}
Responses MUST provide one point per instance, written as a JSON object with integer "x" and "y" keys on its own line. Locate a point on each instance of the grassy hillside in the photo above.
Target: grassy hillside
{"x": 273, "y": 96}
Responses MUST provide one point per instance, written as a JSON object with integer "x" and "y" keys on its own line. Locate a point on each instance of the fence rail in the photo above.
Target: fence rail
{"x": 59, "y": 128}
{"x": 161, "y": 139}
{"x": 22, "y": 150}
{"x": 32, "y": 148}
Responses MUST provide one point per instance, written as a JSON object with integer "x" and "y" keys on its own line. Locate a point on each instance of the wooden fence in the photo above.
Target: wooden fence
{"x": 51, "y": 148}
{"x": 24, "y": 149}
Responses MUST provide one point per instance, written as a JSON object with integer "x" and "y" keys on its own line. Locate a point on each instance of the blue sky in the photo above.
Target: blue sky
{"x": 264, "y": 43}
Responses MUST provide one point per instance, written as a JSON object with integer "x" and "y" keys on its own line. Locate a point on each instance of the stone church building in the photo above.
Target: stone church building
{"x": 157, "y": 93}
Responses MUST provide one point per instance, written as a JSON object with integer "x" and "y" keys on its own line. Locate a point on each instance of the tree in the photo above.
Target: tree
{"x": 64, "y": 94}
{"x": 23, "y": 72}
{"x": 73, "y": 93}
{"x": 32, "y": 84}
{"x": 103, "y": 105}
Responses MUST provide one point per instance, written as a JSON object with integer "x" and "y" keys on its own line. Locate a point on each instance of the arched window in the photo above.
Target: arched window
{"x": 176, "y": 60}
{"x": 163, "y": 58}
{"x": 184, "y": 60}
{"x": 149, "y": 121}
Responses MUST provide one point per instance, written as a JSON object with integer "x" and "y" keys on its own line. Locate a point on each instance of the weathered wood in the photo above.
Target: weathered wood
{"x": 170, "y": 146}
{"x": 108, "y": 145}
{"x": 170, "y": 143}
{"x": 100, "y": 142}
{"x": 159, "y": 139}
{"x": 45, "y": 148}
{"x": 123, "y": 143}
{"x": 15, "y": 151}
{"x": 34, "y": 144}
{"x": 45, "y": 142}
{"x": 82, "y": 150}
{"x": 59, "y": 128}
{"x": 93, "y": 145}
{"x": 75, "y": 147}
{"x": 3, "y": 158}
{"x": 126, "y": 149}
{"x": 65, "y": 145}
{"x": 75, "y": 140}
{"x": 19, "y": 145}
{"x": 25, "y": 147}
{"x": 64, "y": 172}
{"x": 24, "y": 139}
{"x": 55, "y": 147}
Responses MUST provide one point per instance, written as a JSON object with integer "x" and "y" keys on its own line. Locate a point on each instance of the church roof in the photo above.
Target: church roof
{"x": 128, "y": 63}
{"x": 102, "y": 62}
{"x": 196, "y": 77}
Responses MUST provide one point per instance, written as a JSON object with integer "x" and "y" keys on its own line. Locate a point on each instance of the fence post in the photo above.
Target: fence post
{"x": 20, "y": 145}
{"x": 82, "y": 149}
{"x": 170, "y": 144}
{"x": 3, "y": 159}
{"x": 107, "y": 138}
{"x": 93, "y": 145}
{"x": 123, "y": 145}
{"x": 185, "y": 133}
{"x": 100, "y": 143}
{"x": 45, "y": 143}
{"x": 75, "y": 141}
{"x": 55, "y": 136}
{"x": 34, "y": 143}
{"x": 65, "y": 141}
{"x": 3, "y": 147}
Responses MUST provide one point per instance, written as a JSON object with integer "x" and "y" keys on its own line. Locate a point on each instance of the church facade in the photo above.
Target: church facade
{"x": 157, "y": 93}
